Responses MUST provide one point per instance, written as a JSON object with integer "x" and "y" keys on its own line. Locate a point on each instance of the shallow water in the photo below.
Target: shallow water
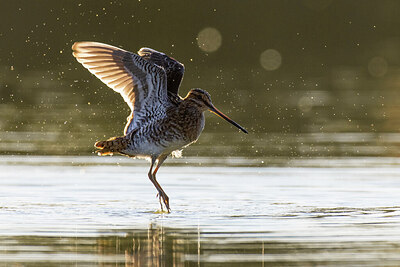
{"x": 100, "y": 211}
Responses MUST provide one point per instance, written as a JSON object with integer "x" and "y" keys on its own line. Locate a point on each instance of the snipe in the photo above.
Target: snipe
{"x": 161, "y": 122}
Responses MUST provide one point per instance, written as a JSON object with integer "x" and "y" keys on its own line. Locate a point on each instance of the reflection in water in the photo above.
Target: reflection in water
{"x": 158, "y": 246}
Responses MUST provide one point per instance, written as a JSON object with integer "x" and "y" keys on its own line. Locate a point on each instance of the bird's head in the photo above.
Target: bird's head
{"x": 203, "y": 100}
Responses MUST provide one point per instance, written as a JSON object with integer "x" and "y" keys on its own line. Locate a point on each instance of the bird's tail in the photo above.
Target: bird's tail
{"x": 112, "y": 145}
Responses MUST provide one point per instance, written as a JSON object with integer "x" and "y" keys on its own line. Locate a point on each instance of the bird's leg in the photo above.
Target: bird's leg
{"x": 150, "y": 174}
{"x": 152, "y": 177}
{"x": 161, "y": 193}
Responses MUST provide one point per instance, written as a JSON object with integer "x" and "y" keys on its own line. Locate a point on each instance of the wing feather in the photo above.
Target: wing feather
{"x": 112, "y": 77}
{"x": 141, "y": 83}
{"x": 110, "y": 71}
{"x": 119, "y": 81}
{"x": 173, "y": 68}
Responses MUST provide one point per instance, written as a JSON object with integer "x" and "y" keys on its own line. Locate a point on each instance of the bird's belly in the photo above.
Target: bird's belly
{"x": 149, "y": 149}
{"x": 144, "y": 149}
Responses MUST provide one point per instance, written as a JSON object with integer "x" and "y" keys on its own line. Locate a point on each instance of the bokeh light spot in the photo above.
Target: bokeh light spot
{"x": 270, "y": 59}
{"x": 209, "y": 39}
{"x": 377, "y": 66}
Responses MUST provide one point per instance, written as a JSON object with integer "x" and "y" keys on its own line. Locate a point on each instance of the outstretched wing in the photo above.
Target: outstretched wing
{"x": 172, "y": 67}
{"x": 142, "y": 84}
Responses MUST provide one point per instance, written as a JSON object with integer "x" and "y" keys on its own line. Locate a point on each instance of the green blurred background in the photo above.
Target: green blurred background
{"x": 307, "y": 78}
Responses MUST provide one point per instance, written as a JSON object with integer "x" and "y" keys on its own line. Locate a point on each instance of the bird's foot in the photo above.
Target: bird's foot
{"x": 164, "y": 199}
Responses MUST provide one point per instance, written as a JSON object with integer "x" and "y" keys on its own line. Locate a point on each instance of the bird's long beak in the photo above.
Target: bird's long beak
{"x": 222, "y": 115}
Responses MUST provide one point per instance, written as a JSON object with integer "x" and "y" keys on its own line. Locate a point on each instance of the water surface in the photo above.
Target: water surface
{"x": 90, "y": 210}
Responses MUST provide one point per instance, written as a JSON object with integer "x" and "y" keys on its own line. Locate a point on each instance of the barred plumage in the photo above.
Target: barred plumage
{"x": 161, "y": 122}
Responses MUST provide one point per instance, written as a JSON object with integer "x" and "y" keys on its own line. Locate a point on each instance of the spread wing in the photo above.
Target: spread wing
{"x": 142, "y": 84}
{"x": 172, "y": 67}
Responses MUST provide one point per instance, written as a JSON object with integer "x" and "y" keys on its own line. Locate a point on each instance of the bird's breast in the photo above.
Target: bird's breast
{"x": 192, "y": 124}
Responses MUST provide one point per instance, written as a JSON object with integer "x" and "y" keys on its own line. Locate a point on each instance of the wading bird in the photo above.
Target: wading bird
{"x": 161, "y": 122}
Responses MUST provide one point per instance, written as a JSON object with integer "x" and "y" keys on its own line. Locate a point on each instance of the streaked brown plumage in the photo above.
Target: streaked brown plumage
{"x": 161, "y": 122}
